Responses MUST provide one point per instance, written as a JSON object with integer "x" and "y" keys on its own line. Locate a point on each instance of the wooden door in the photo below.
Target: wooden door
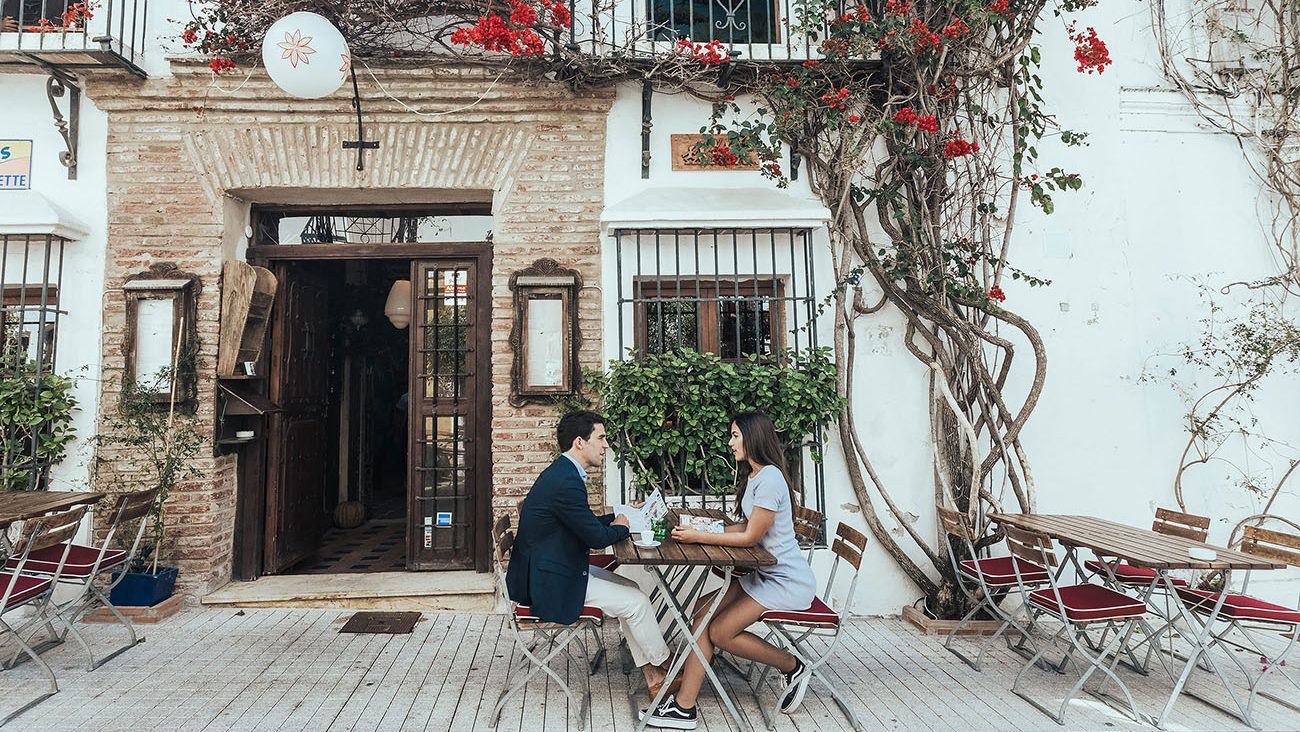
{"x": 299, "y": 438}
{"x": 448, "y": 502}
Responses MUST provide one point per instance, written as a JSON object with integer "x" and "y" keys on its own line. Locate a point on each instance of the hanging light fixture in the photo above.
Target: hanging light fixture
{"x": 398, "y": 305}
{"x": 306, "y": 55}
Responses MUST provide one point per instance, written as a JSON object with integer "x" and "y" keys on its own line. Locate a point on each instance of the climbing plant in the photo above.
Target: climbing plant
{"x": 922, "y": 126}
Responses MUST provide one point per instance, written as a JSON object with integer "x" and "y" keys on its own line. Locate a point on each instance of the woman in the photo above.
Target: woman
{"x": 764, "y": 500}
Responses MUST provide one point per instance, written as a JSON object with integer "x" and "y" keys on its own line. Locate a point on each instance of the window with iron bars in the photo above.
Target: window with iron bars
{"x": 31, "y": 272}
{"x": 737, "y": 293}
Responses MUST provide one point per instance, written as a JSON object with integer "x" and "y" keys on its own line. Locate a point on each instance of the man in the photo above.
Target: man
{"x": 549, "y": 570}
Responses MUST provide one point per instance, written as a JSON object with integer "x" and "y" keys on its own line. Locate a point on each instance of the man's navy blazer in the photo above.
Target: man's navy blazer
{"x": 557, "y": 528}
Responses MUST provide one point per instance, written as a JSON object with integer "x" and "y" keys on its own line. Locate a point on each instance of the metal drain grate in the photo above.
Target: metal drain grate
{"x": 367, "y": 622}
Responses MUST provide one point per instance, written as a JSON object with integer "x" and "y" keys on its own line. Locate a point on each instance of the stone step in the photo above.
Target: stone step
{"x": 460, "y": 591}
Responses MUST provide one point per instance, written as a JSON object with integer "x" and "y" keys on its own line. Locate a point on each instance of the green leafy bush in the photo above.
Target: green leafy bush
{"x": 671, "y": 412}
{"x": 36, "y": 410}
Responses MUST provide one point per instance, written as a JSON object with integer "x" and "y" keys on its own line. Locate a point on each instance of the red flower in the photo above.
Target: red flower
{"x": 712, "y": 53}
{"x": 190, "y": 36}
{"x": 854, "y": 119}
{"x": 811, "y": 63}
{"x": 898, "y": 7}
{"x": 834, "y": 99}
{"x": 997, "y": 294}
{"x": 220, "y": 64}
{"x": 1089, "y": 51}
{"x": 927, "y": 123}
{"x": 1001, "y": 7}
{"x": 560, "y": 15}
{"x": 722, "y": 155}
{"x": 905, "y": 116}
{"x": 956, "y": 29}
{"x": 923, "y": 39}
{"x": 522, "y": 13}
{"x": 956, "y": 147}
{"x": 792, "y": 82}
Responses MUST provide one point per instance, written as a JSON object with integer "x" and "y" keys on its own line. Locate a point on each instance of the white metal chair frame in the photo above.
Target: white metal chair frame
{"x": 1273, "y": 545}
{"x": 1036, "y": 548}
{"x": 137, "y": 506}
{"x": 795, "y": 635}
{"x": 57, "y": 529}
{"x": 981, "y": 595}
{"x": 555, "y": 636}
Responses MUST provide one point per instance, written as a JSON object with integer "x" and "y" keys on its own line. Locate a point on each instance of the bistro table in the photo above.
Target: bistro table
{"x": 1160, "y": 552}
{"x": 692, "y": 558}
{"x": 18, "y": 506}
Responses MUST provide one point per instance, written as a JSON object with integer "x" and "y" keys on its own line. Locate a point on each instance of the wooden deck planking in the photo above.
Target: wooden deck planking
{"x": 269, "y": 669}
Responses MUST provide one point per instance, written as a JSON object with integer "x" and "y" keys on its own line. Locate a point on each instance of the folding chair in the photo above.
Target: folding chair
{"x": 18, "y": 589}
{"x": 980, "y": 580}
{"x": 796, "y": 629}
{"x": 85, "y": 564}
{"x": 1251, "y": 616}
{"x": 1077, "y": 607}
{"x": 1169, "y": 523}
{"x": 556, "y": 636}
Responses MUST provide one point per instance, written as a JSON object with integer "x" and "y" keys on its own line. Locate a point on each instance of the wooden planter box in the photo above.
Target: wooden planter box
{"x": 929, "y": 626}
{"x": 138, "y": 614}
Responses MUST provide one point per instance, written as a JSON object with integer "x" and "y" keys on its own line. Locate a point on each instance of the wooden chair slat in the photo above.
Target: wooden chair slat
{"x": 953, "y": 523}
{"x": 1272, "y": 537}
{"x": 137, "y": 505}
{"x": 851, "y": 535}
{"x": 1186, "y": 519}
{"x": 807, "y": 525}
{"x": 1186, "y": 532}
{"x": 1250, "y": 546}
{"x": 847, "y": 553}
{"x": 51, "y": 530}
{"x": 1030, "y": 546}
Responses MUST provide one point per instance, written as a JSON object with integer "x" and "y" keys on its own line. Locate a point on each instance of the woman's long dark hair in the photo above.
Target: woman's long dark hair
{"x": 763, "y": 447}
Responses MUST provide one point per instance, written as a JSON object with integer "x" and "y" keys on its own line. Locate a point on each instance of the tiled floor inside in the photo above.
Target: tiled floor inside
{"x": 375, "y": 546}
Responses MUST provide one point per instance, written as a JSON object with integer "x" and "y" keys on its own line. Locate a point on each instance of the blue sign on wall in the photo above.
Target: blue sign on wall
{"x": 15, "y": 165}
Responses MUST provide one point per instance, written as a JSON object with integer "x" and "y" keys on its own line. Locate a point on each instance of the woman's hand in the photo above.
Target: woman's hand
{"x": 686, "y": 536}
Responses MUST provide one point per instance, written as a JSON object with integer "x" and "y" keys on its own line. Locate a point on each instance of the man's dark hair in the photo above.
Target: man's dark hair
{"x": 574, "y": 425}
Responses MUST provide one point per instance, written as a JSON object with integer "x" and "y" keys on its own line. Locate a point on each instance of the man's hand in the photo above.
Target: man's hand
{"x": 621, "y": 520}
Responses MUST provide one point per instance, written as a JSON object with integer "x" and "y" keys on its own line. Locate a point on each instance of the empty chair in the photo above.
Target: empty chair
{"x": 1169, "y": 523}
{"x": 982, "y": 581}
{"x": 19, "y": 589}
{"x": 85, "y": 564}
{"x": 1077, "y": 607}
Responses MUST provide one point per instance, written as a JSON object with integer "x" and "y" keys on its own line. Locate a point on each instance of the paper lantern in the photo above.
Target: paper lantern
{"x": 306, "y": 55}
{"x": 398, "y": 306}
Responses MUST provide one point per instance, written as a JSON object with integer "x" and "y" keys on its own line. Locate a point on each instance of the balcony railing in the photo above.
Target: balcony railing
{"x": 753, "y": 30}
{"x": 73, "y": 34}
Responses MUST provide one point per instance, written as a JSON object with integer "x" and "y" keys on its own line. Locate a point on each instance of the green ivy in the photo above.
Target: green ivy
{"x": 35, "y": 407}
{"x": 671, "y": 412}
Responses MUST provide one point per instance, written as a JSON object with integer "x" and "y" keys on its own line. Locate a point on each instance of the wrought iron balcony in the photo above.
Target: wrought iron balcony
{"x": 64, "y": 35}
{"x": 751, "y": 30}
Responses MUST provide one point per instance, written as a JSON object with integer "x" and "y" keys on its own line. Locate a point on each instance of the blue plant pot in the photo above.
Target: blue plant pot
{"x": 142, "y": 589}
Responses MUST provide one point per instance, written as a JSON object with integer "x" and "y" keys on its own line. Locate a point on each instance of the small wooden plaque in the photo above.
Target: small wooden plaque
{"x": 686, "y": 158}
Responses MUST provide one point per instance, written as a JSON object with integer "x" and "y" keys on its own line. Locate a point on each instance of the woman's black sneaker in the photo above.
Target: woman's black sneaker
{"x": 796, "y": 683}
{"x": 670, "y": 715}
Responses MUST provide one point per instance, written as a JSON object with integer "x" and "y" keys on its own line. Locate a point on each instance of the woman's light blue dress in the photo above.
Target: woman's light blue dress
{"x": 790, "y": 583}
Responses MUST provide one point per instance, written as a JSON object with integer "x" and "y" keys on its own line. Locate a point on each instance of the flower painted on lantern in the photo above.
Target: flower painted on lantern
{"x": 997, "y": 294}
{"x": 1089, "y": 50}
{"x": 347, "y": 62}
{"x": 296, "y": 47}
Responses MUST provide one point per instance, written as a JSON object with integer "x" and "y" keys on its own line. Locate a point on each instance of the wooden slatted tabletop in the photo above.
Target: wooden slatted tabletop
{"x": 673, "y": 553}
{"x": 22, "y": 505}
{"x": 1139, "y": 547}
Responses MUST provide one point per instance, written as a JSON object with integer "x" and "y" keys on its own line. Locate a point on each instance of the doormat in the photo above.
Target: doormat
{"x": 368, "y": 622}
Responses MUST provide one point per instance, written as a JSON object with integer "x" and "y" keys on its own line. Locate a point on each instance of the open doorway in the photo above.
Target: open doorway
{"x": 346, "y": 387}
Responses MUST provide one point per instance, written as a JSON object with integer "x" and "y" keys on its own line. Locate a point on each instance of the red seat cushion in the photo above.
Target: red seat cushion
{"x": 525, "y": 614}
{"x": 818, "y": 613}
{"x": 1127, "y": 574}
{"x": 24, "y": 587}
{"x": 1088, "y": 603}
{"x": 999, "y": 571}
{"x": 604, "y": 561}
{"x": 1240, "y": 607}
{"x": 81, "y": 560}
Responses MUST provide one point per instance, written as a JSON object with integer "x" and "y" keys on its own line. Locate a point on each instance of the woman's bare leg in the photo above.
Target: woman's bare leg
{"x": 693, "y": 671}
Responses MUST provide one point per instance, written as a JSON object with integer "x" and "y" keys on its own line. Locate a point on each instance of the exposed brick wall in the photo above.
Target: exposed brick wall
{"x": 177, "y": 147}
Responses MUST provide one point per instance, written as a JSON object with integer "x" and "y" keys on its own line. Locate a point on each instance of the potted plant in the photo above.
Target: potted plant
{"x": 157, "y": 443}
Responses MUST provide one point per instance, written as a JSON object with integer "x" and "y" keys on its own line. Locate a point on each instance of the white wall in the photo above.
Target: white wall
{"x": 1164, "y": 202}
{"x": 27, "y": 116}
